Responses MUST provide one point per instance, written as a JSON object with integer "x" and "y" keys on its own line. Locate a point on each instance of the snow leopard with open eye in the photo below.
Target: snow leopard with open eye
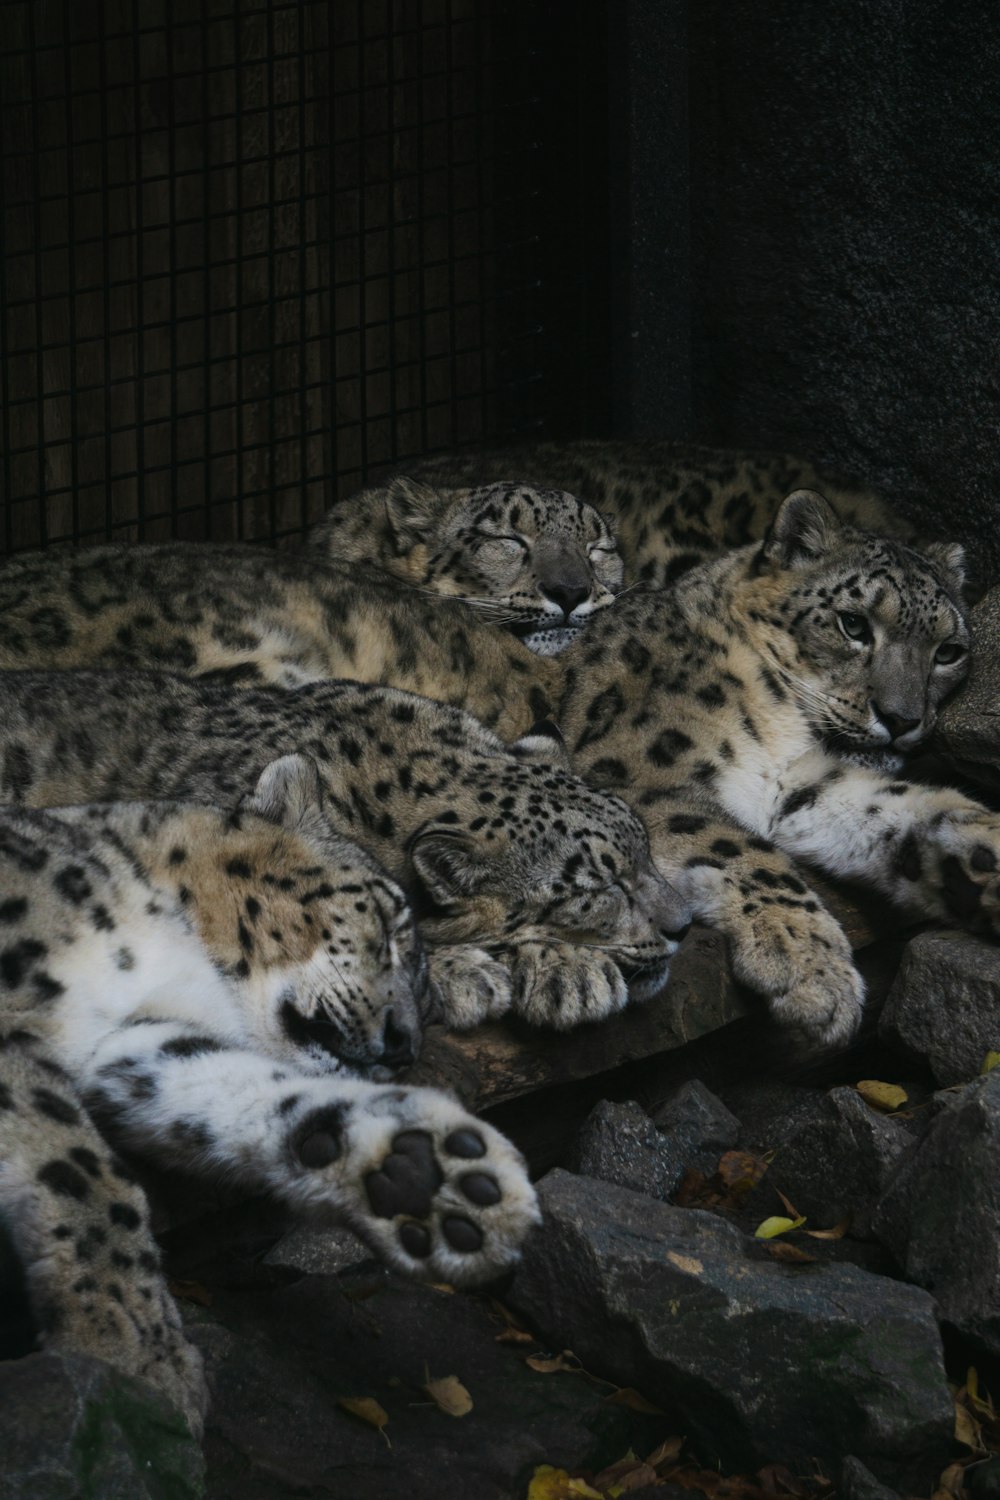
{"x": 540, "y": 562}
{"x": 202, "y": 988}
{"x": 758, "y": 711}
{"x": 534, "y": 892}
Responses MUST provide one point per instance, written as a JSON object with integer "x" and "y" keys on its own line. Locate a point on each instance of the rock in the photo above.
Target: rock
{"x": 71, "y": 1426}
{"x": 771, "y": 1112}
{"x": 619, "y": 1143}
{"x": 280, "y": 1357}
{"x": 857, "y": 1482}
{"x": 759, "y": 1361}
{"x": 967, "y": 735}
{"x": 698, "y": 1125}
{"x": 983, "y": 1479}
{"x": 939, "y": 1217}
{"x": 838, "y": 1160}
{"x": 320, "y": 1251}
{"x": 945, "y": 1004}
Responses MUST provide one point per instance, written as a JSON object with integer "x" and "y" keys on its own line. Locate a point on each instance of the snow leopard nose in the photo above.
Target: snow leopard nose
{"x": 895, "y": 723}
{"x": 566, "y": 595}
{"x": 397, "y": 1043}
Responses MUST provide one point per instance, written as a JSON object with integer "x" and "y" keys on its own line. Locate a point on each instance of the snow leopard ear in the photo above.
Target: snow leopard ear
{"x": 543, "y": 744}
{"x": 805, "y": 527}
{"x": 411, "y": 509}
{"x": 287, "y": 791}
{"x": 449, "y": 866}
{"x": 950, "y": 558}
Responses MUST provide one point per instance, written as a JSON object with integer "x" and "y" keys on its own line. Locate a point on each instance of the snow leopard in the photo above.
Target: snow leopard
{"x": 205, "y": 988}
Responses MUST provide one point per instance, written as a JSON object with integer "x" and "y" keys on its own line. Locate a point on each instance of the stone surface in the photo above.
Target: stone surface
{"x": 320, "y": 1251}
{"x": 72, "y": 1428}
{"x": 945, "y": 1004}
{"x": 857, "y": 1482}
{"x": 968, "y": 728}
{"x": 698, "y": 1125}
{"x": 279, "y": 1358}
{"x": 619, "y": 1143}
{"x": 939, "y": 1218}
{"x": 761, "y": 1361}
{"x": 838, "y": 1160}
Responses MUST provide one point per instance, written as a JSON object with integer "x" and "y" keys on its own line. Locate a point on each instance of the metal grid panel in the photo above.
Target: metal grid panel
{"x": 251, "y": 249}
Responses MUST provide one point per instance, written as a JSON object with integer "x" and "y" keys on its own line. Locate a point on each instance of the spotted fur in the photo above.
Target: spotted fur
{"x": 497, "y": 847}
{"x": 538, "y": 561}
{"x": 758, "y": 710}
{"x": 672, "y": 505}
{"x": 174, "y": 981}
{"x": 250, "y": 615}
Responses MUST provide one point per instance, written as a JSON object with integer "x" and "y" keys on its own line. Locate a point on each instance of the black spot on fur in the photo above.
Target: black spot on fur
{"x": 63, "y": 1178}
{"x": 124, "y": 1215}
{"x": 190, "y": 1046}
{"x": 17, "y": 960}
{"x": 799, "y": 800}
{"x": 667, "y": 746}
{"x": 685, "y": 823}
{"x": 55, "y": 1107}
{"x": 13, "y": 909}
{"x": 963, "y": 897}
{"x": 908, "y": 860}
{"x": 72, "y": 883}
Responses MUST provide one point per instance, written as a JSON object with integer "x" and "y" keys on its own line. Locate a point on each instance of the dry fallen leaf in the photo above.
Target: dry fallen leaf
{"x": 882, "y": 1096}
{"x": 566, "y": 1361}
{"x": 776, "y": 1225}
{"x": 784, "y": 1250}
{"x": 548, "y": 1483}
{"x": 967, "y": 1429}
{"x": 628, "y": 1396}
{"x": 368, "y": 1409}
{"x": 668, "y": 1450}
{"x": 739, "y": 1172}
{"x": 449, "y": 1394}
{"x": 836, "y": 1233}
{"x": 990, "y": 1061}
{"x": 191, "y": 1291}
{"x": 629, "y": 1473}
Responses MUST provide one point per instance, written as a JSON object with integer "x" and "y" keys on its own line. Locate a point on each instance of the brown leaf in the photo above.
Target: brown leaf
{"x": 775, "y": 1479}
{"x": 368, "y": 1409}
{"x": 665, "y": 1453}
{"x": 967, "y": 1429}
{"x": 191, "y": 1291}
{"x": 449, "y": 1394}
{"x": 633, "y": 1399}
{"x": 952, "y": 1482}
{"x": 739, "y": 1171}
{"x": 790, "y": 1208}
{"x": 514, "y": 1336}
{"x": 690, "y": 1188}
{"x": 558, "y": 1365}
{"x": 627, "y": 1474}
{"x": 784, "y": 1250}
{"x": 836, "y": 1233}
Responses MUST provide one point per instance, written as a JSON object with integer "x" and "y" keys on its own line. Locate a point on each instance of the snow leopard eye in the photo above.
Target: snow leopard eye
{"x": 948, "y": 653}
{"x": 855, "y": 627}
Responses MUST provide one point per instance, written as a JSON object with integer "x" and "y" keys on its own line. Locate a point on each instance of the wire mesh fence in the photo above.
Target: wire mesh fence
{"x": 252, "y": 250}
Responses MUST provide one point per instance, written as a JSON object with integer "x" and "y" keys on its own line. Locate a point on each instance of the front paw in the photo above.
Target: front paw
{"x": 968, "y": 869}
{"x": 473, "y": 985}
{"x": 557, "y": 984}
{"x": 438, "y": 1193}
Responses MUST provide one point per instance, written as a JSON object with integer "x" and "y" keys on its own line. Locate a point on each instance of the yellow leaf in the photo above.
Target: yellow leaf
{"x": 628, "y": 1396}
{"x": 981, "y": 1404}
{"x": 548, "y": 1483}
{"x": 966, "y": 1428}
{"x": 989, "y": 1062}
{"x": 368, "y": 1409}
{"x": 449, "y": 1393}
{"x": 776, "y": 1225}
{"x": 883, "y": 1096}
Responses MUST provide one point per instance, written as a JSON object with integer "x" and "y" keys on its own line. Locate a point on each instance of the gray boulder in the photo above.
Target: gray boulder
{"x": 73, "y": 1427}
{"x": 619, "y": 1143}
{"x": 839, "y": 1160}
{"x": 940, "y": 1215}
{"x": 945, "y": 1004}
{"x": 758, "y": 1360}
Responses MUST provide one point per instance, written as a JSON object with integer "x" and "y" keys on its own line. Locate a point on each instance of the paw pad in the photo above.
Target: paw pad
{"x": 462, "y": 1234}
{"x": 465, "y": 1143}
{"x": 408, "y": 1178}
{"x": 416, "y": 1240}
{"x": 480, "y": 1189}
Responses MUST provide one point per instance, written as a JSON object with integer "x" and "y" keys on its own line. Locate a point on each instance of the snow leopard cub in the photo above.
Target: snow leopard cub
{"x": 205, "y": 989}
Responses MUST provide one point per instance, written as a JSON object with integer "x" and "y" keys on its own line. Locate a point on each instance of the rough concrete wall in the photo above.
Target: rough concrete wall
{"x": 846, "y": 242}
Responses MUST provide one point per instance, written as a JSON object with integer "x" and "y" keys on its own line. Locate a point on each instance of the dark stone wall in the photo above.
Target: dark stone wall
{"x": 845, "y": 243}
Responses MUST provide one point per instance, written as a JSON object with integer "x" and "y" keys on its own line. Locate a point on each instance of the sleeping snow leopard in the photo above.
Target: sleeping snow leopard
{"x": 756, "y": 711}
{"x": 164, "y": 969}
{"x": 670, "y": 505}
{"x": 538, "y": 561}
{"x": 251, "y": 615}
{"x": 535, "y": 892}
